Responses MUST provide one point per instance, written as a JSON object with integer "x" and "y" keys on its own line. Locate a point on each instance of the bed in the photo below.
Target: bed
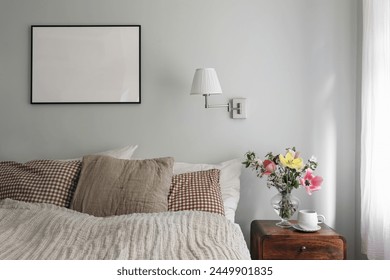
{"x": 110, "y": 206}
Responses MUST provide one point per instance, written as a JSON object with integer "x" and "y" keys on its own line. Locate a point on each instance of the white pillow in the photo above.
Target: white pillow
{"x": 121, "y": 153}
{"x": 229, "y": 181}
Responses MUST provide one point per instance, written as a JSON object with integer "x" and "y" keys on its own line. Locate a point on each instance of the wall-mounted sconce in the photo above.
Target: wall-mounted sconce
{"x": 206, "y": 82}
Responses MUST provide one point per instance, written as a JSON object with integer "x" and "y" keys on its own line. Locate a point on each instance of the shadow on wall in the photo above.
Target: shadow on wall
{"x": 328, "y": 134}
{"x": 333, "y": 135}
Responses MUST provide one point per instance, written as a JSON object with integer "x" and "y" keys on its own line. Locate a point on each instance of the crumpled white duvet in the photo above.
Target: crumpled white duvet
{"x": 44, "y": 231}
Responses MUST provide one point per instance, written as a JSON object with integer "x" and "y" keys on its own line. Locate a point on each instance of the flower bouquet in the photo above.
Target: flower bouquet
{"x": 285, "y": 173}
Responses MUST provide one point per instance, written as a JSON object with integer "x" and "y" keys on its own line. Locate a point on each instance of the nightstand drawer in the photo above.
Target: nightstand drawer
{"x": 303, "y": 249}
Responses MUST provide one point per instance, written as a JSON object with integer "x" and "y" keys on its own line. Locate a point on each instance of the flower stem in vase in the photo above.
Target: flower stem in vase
{"x": 285, "y": 205}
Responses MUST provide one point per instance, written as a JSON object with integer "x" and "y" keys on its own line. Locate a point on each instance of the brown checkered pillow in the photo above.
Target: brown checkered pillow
{"x": 44, "y": 181}
{"x": 198, "y": 191}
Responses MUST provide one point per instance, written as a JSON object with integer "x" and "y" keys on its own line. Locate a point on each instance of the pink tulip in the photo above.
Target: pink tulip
{"x": 269, "y": 167}
{"x": 310, "y": 182}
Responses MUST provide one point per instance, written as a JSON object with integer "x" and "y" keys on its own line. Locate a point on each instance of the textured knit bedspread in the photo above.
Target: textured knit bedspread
{"x": 44, "y": 231}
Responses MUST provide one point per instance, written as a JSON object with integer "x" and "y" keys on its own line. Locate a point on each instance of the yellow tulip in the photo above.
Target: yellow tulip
{"x": 291, "y": 162}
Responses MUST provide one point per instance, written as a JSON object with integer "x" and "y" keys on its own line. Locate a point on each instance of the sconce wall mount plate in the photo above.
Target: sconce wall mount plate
{"x": 238, "y": 108}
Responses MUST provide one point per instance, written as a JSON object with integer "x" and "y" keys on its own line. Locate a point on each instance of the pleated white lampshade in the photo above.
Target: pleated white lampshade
{"x": 205, "y": 82}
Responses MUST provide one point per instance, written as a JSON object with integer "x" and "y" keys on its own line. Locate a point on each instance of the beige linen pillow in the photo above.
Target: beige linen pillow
{"x": 110, "y": 186}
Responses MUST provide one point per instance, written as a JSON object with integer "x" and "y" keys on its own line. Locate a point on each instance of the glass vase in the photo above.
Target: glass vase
{"x": 285, "y": 205}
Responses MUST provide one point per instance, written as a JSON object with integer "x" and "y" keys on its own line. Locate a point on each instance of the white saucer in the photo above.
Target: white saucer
{"x": 297, "y": 227}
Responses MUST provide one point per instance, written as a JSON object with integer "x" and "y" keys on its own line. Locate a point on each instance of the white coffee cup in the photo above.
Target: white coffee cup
{"x": 309, "y": 219}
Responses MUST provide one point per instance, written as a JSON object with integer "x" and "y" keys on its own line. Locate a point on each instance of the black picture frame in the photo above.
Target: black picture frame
{"x": 85, "y": 64}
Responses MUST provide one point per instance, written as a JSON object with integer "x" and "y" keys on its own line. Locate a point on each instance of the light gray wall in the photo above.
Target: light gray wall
{"x": 295, "y": 61}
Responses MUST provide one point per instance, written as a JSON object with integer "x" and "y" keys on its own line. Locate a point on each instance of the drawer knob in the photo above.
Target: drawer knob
{"x": 303, "y": 248}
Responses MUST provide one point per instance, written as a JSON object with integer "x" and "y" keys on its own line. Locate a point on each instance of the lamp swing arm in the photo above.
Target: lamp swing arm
{"x": 215, "y": 106}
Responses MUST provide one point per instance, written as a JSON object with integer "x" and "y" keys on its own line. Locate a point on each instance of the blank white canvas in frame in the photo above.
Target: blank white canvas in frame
{"x": 85, "y": 64}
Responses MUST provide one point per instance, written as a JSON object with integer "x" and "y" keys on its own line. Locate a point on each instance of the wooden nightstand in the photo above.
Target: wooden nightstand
{"x": 270, "y": 242}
